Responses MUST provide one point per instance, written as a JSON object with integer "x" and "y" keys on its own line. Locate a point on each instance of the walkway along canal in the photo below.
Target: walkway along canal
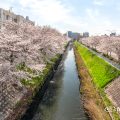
{"x": 111, "y": 62}
{"x": 62, "y": 99}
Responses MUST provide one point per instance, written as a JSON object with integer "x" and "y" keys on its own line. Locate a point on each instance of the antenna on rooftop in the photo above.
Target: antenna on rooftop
{"x": 111, "y": 31}
{"x": 10, "y": 9}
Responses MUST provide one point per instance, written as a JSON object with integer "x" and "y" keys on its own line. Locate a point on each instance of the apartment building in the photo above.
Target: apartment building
{"x": 9, "y": 15}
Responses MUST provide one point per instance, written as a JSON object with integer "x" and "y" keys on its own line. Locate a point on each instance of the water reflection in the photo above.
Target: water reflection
{"x": 62, "y": 99}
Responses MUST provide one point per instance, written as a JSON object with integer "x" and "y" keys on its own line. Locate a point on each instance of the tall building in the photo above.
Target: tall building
{"x": 69, "y": 34}
{"x": 73, "y": 35}
{"x": 86, "y": 34}
{"x": 76, "y": 36}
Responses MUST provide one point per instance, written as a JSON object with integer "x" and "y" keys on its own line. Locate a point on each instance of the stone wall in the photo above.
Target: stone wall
{"x": 113, "y": 92}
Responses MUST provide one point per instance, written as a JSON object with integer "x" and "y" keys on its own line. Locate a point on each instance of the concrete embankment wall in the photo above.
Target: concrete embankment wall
{"x": 92, "y": 99}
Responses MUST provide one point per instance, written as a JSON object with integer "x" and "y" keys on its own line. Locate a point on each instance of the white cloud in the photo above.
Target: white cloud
{"x": 59, "y": 15}
{"x": 98, "y": 22}
{"x": 99, "y": 2}
{"x": 50, "y": 10}
{"x": 92, "y": 13}
{"x": 55, "y": 13}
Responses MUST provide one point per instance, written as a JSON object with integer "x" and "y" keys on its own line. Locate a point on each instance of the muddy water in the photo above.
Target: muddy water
{"x": 62, "y": 100}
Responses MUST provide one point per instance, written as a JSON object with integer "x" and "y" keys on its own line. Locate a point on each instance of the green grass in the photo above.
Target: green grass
{"x": 101, "y": 71}
{"x": 38, "y": 80}
{"x": 23, "y": 67}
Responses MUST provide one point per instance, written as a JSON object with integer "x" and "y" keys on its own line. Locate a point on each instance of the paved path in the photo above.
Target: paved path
{"x": 113, "y": 63}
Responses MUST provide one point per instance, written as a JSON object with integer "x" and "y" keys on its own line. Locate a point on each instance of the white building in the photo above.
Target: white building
{"x": 9, "y": 15}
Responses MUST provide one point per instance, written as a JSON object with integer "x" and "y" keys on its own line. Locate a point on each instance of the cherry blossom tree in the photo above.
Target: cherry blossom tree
{"x": 23, "y": 43}
{"x": 106, "y": 44}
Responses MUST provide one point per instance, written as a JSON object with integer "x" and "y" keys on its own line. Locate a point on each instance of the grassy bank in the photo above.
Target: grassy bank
{"x": 35, "y": 88}
{"x": 37, "y": 80}
{"x": 95, "y": 73}
{"x": 101, "y": 72}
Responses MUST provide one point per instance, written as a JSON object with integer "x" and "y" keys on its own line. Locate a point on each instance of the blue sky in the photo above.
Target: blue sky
{"x": 95, "y": 16}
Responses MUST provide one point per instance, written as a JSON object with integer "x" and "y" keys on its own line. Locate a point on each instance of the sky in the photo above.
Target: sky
{"x": 94, "y": 16}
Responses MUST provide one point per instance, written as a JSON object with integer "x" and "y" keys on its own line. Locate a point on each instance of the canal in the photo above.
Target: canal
{"x": 62, "y": 99}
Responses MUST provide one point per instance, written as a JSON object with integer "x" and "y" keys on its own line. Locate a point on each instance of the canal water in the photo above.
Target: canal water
{"x": 62, "y": 100}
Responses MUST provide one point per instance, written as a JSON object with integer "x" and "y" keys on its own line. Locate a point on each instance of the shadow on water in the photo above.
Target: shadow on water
{"x": 62, "y": 100}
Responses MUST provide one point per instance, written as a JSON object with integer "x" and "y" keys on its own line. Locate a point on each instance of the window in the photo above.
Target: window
{"x": 7, "y": 17}
{"x": 15, "y": 20}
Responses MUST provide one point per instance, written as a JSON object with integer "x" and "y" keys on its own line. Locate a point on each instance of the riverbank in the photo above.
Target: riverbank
{"x": 91, "y": 90}
{"x": 25, "y": 59}
{"x": 26, "y": 108}
{"x": 108, "y": 46}
{"x": 106, "y": 57}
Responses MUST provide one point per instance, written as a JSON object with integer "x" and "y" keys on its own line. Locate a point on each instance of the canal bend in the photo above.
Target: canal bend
{"x": 62, "y": 100}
